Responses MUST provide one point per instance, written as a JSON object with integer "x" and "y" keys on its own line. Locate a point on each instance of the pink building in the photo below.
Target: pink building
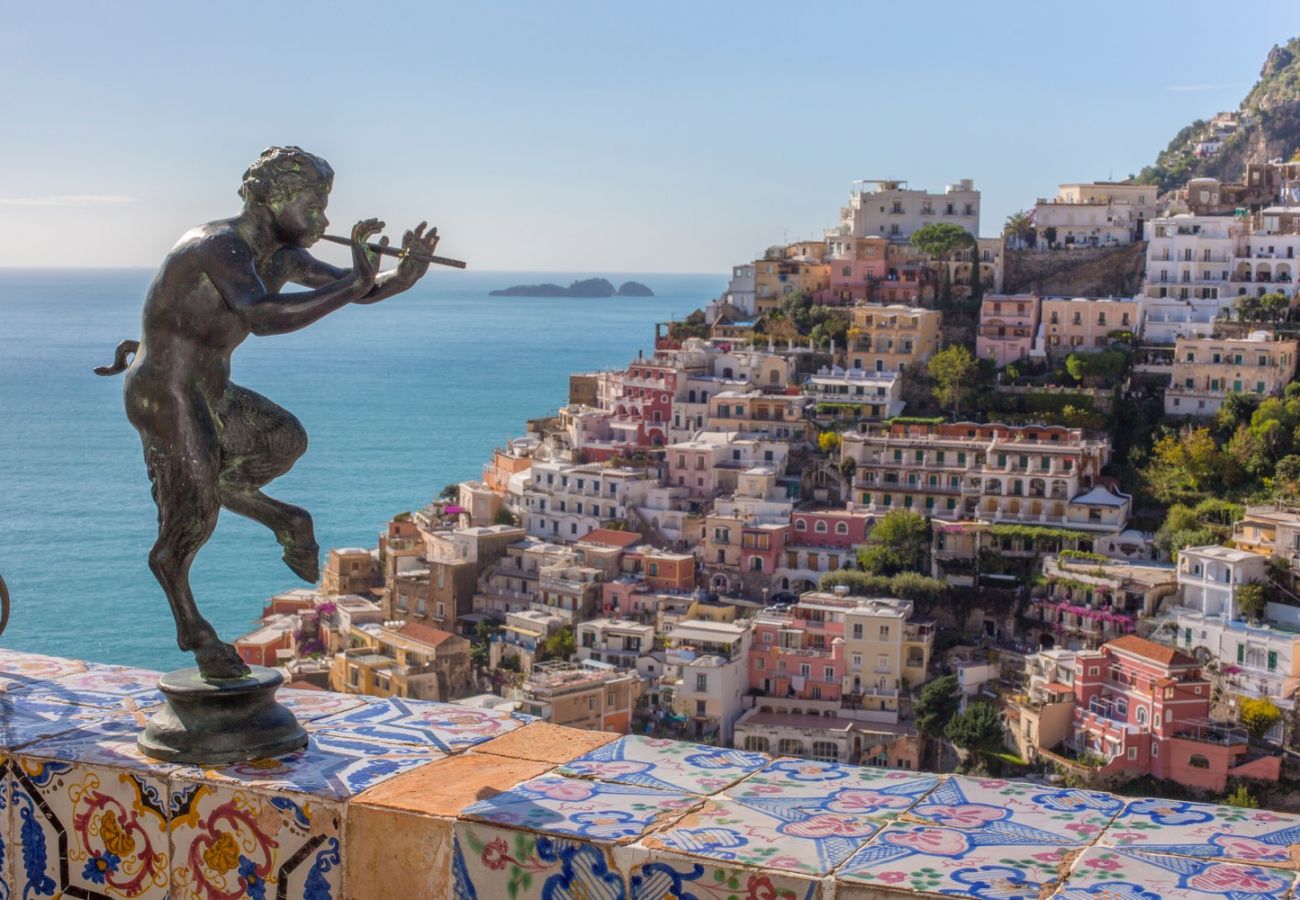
{"x": 840, "y": 528}
{"x": 1144, "y": 709}
{"x": 1008, "y": 323}
{"x": 799, "y": 654}
{"x": 645, "y": 407}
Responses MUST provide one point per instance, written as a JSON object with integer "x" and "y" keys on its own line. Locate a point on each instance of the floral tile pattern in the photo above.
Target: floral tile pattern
{"x": 668, "y": 765}
{"x": 1002, "y": 860}
{"x": 1068, "y": 815}
{"x": 110, "y": 742}
{"x": 443, "y": 726}
{"x": 121, "y": 680}
{"x": 892, "y": 790}
{"x": 1105, "y": 873}
{"x": 332, "y": 766}
{"x": 491, "y": 863}
{"x": 19, "y": 670}
{"x": 308, "y": 706}
{"x": 611, "y": 813}
{"x": 229, "y": 842}
{"x": 88, "y": 831}
{"x": 1253, "y": 836}
{"x": 23, "y": 721}
{"x": 676, "y": 878}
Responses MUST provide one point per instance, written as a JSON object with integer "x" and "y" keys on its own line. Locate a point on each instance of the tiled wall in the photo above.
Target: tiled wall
{"x": 403, "y": 799}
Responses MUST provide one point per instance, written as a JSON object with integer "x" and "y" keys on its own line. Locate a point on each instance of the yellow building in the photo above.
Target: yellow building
{"x": 892, "y": 338}
{"x": 403, "y": 660}
{"x": 775, "y": 279}
{"x": 597, "y": 698}
{"x": 1207, "y": 370}
{"x": 350, "y": 570}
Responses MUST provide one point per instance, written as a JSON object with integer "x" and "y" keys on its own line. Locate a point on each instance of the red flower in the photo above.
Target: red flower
{"x": 760, "y": 888}
{"x": 496, "y": 854}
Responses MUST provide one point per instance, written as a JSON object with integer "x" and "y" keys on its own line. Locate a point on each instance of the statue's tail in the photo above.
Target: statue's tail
{"x": 120, "y": 362}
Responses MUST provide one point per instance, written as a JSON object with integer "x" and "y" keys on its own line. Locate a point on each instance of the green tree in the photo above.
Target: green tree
{"x": 848, "y": 468}
{"x": 1259, "y": 715}
{"x": 1252, "y": 600}
{"x": 978, "y": 727}
{"x": 450, "y": 492}
{"x": 1274, "y": 306}
{"x": 558, "y": 646}
{"x": 899, "y": 542}
{"x": 938, "y": 703}
{"x": 1241, "y": 797}
{"x": 1019, "y": 226}
{"x": 1286, "y": 477}
{"x": 939, "y": 241}
{"x": 953, "y": 369}
{"x": 504, "y": 517}
{"x": 481, "y": 642}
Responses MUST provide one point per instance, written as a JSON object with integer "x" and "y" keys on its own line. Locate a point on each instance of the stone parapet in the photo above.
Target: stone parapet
{"x": 407, "y": 799}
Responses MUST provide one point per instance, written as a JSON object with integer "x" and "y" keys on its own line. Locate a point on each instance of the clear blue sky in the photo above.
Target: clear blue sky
{"x": 597, "y": 137}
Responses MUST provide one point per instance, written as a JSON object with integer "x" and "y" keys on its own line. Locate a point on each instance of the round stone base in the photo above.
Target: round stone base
{"x": 215, "y": 722}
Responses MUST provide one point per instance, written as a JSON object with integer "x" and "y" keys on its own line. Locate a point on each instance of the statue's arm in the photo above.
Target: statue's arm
{"x": 230, "y": 266}
{"x": 300, "y": 267}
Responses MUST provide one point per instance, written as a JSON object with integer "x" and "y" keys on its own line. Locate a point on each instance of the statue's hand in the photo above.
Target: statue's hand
{"x": 365, "y": 262}
{"x": 411, "y": 269}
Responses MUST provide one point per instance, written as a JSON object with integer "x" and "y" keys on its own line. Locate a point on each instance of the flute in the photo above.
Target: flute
{"x": 398, "y": 252}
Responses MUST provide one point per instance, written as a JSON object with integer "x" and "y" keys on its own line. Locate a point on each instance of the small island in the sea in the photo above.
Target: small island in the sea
{"x": 588, "y": 287}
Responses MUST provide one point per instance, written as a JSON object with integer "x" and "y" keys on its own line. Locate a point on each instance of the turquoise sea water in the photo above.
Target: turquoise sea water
{"x": 398, "y": 398}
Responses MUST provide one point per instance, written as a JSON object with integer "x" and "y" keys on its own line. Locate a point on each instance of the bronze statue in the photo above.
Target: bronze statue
{"x": 208, "y": 442}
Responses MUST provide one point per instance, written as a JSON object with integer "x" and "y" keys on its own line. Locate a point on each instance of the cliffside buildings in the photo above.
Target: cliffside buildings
{"x": 1207, "y": 370}
{"x": 890, "y": 209}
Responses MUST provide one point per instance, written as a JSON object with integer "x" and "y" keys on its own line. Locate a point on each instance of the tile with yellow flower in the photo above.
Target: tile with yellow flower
{"x": 230, "y": 843}
{"x": 87, "y": 830}
{"x": 495, "y": 863}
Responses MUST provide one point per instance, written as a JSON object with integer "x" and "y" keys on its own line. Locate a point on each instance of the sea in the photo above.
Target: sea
{"x": 398, "y": 398}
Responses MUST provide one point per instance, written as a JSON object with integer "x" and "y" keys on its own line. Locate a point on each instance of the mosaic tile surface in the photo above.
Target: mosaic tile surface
{"x": 88, "y": 831}
{"x": 1105, "y": 873}
{"x": 595, "y": 810}
{"x": 121, "y": 680}
{"x": 443, "y": 726}
{"x": 492, "y": 862}
{"x": 332, "y": 766}
{"x": 19, "y": 670}
{"x": 890, "y": 791}
{"x": 110, "y": 742}
{"x": 668, "y": 765}
{"x": 230, "y": 842}
{"x": 677, "y": 878}
{"x": 308, "y": 706}
{"x": 1207, "y": 831}
{"x": 25, "y": 720}
{"x": 1067, "y": 815}
{"x": 1003, "y": 860}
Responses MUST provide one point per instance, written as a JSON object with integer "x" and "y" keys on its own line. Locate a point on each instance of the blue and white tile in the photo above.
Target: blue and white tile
{"x": 830, "y": 787}
{"x": 444, "y": 726}
{"x": 109, "y": 742}
{"x": 308, "y": 706}
{"x": 332, "y": 767}
{"x": 1009, "y": 862}
{"x": 1069, "y": 815}
{"x": 23, "y": 721}
{"x": 23, "y": 670}
{"x": 1207, "y": 831}
{"x": 490, "y": 862}
{"x": 667, "y": 765}
{"x": 790, "y": 835}
{"x": 668, "y": 876}
{"x": 1116, "y": 873}
{"x": 599, "y": 811}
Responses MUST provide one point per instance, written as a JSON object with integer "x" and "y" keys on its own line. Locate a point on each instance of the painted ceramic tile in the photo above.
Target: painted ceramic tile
{"x": 1125, "y": 874}
{"x": 23, "y": 721}
{"x": 8, "y": 848}
{"x": 1207, "y": 831}
{"x": 52, "y": 692}
{"x": 891, "y": 790}
{"x": 491, "y": 863}
{"x": 787, "y": 834}
{"x": 668, "y": 877}
{"x": 231, "y": 842}
{"x": 1071, "y": 816}
{"x": 596, "y": 810}
{"x": 113, "y": 680}
{"x": 332, "y": 766}
{"x": 1009, "y": 862}
{"x": 88, "y": 831}
{"x": 668, "y": 765}
{"x": 308, "y": 706}
{"x": 111, "y": 742}
{"x": 19, "y": 670}
{"x": 444, "y": 726}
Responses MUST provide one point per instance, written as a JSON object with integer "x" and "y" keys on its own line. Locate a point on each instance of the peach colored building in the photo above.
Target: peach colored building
{"x": 1207, "y": 370}
{"x": 1070, "y": 324}
{"x": 892, "y": 338}
{"x": 1008, "y": 324}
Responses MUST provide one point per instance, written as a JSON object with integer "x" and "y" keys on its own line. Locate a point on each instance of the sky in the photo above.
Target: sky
{"x": 593, "y": 137}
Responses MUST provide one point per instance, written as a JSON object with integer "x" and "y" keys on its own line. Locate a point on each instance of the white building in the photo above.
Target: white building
{"x": 867, "y": 394}
{"x": 563, "y": 501}
{"x": 740, "y": 289}
{"x": 1095, "y": 214}
{"x": 705, "y": 670}
{"x": 890, "y": 209}
{"x": 619, "y": 642}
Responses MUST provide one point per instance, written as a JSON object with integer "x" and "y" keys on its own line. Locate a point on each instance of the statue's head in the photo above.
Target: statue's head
{"x": 294, "y": 185}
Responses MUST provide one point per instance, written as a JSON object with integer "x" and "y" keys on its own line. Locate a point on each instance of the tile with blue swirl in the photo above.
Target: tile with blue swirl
{"x": 443, "y": 726}
{"x": 665, "y": 876}
{"x": 88, "y": 831}
{"x": 23, "y": 721}
{"x": 785, "y": 834}
{"x": 885, "y": 792}
{"x": 1106, "y": 873}
{"x": 109, "y": 742}
{"x": 1003, "y": 860}
{"x": 664, "y": 764}
{"x": 22, "y": 670}
{"x": 308, "y": 706}
{"x": 332, "y": 766}
{"x": 236, "y": 842}
{"x": 1207, "y": 831}
{"x": 555, "y": 805}
{"x": 1069, "y": 815}
{"x": 491, "y": 862}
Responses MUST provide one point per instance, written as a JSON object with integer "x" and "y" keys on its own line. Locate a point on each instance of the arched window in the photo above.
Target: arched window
{"x": 820, "y": 527}
{"x": 755, "y": 743}
{"x": 841, "y": 528}
{"x": 1196, "y": 761}
{"x": 801, "y": 525}
{"x": 1142, "y": 715}
{"x": 756, "y": 563}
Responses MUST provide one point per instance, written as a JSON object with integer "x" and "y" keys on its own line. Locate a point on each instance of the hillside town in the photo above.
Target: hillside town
{"x": 884, "y": 501}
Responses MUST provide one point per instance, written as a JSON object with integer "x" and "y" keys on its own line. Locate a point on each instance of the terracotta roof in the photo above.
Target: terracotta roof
{"x": 425, "y": 634}
{"x": 610, "y": 538}
{"x": 1131, "y": 643}
{"x": 304, "y": 686}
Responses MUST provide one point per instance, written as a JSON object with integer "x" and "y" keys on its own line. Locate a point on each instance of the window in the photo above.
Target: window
{"x": 701, "y": 681}
{"x": 857, "y": 631}
{"x": 1132, "y": 752}
{"x": 755, "y": 743}
{"x": 828, "y": 674}
{"x": 884, "y": 632}
{"x": 820, "y": 527}
{"x": 1196, "y": 761}
{"x": 841, "y": 528}
{"x": 825, "y": 751}
{"x": 759, "y": 662}
{"x": 801, "y": 525}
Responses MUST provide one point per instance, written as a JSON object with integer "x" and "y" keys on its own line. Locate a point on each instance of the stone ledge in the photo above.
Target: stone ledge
{"x": 406, "y": 799}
